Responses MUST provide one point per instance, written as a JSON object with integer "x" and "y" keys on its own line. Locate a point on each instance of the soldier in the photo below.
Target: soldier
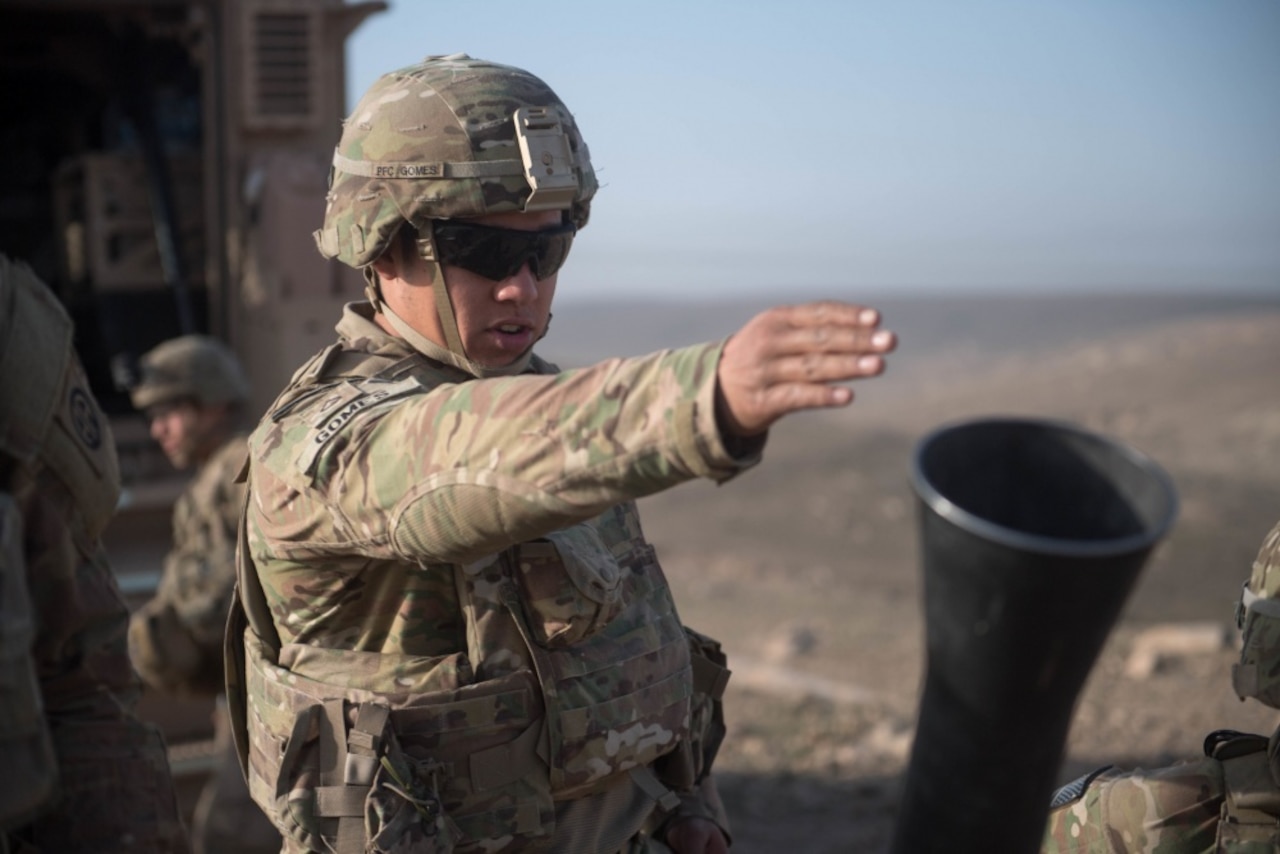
{"x": 1228, "y": 801}
{"x": 458, "y": 638}
{"x": 68, "y": 692}
{"x": 191, "y": 389}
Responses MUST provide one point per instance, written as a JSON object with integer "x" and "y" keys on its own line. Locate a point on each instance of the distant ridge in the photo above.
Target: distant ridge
{"x": 584, "y": 331}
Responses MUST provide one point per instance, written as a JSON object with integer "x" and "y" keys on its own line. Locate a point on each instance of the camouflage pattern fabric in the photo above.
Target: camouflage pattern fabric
{"x": 225, "y": 818}
{"x": 1258, "y": 617}
{"x": 31, "y": 771}
{"x": 445, "y": 545}
{"x": 410, "y": 477}
{"x": 1170, "y": 810}
{"x": 176, "y": 638}
{"x": 461, "y": 110}
{"x": 1265, "y": 578}
{"x": 1228, "y": 802}
{"x": 116, "y": 792}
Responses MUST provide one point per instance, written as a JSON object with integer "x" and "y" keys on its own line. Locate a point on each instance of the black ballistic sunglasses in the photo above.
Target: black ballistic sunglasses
{"x": 499, "y": 253}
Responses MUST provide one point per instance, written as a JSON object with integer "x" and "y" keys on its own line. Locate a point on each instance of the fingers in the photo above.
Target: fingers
{"x": 791, "y": 357}
{"x": 834, "y": 340}
{"x": 790, "y": 397}
{"x": 820, "y": 342}
{"x": 822, "y": 367}
{"x": 828, "y": 314}
{"x": 824, "y": 328}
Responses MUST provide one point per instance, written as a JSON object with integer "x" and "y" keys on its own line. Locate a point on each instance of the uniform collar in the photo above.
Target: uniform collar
{"x": 357, "y": 324}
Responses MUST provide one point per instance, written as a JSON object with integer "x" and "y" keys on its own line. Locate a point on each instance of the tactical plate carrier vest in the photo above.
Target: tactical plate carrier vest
{"x": 1249, "y": 822}
{"x": 606, "y": 685}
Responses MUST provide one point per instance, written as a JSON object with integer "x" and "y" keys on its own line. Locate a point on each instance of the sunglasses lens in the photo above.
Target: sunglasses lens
{"x": 499, "y": 253}
{"x": 551, "y": 253}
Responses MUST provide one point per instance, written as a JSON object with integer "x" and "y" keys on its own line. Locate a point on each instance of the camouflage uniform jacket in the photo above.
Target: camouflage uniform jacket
{"x": 57, "y": 456}
{"x": 176, "y": 639}
{"x": 1227, "y": 802}
{"x": 466, "y": 552}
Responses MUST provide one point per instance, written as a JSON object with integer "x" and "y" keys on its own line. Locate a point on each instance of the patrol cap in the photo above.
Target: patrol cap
{"x": 193, "y": 366}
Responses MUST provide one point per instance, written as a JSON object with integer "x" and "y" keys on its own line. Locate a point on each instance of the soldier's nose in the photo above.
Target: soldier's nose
{"x": 521, "y": 286}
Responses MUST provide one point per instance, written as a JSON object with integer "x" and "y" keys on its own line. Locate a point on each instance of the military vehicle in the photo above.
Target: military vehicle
{"x": 164, "y": 165}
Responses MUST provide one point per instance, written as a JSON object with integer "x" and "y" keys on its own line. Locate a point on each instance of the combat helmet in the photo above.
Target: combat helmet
{"x": 1258, "y": 617}
{"x": 450, "y": 137}
{"x": 195, "y": 367}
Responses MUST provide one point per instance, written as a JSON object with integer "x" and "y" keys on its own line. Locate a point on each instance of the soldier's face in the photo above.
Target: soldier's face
{"x": 498, "y": 320}
{"x": 186, "y": 431}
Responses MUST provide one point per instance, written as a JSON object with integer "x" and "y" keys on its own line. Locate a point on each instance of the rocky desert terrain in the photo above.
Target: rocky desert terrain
{"x": 807, "y": 569}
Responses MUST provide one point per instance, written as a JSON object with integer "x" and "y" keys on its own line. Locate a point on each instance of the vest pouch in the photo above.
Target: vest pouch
{"x": 620, "y": 698}
{"x": 691, "y": 762}
{"x": 473, "y": 747}
{"x": 481, "y": 752}
{"x": 570, "y": 584}
{"x": 1255, "y": 675}
{"x": 403, "y": 813}
{"x": 1249, "y": 820}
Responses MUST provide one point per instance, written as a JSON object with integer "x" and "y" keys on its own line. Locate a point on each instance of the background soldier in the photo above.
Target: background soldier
{"x": 64, "y": 620}
{"x": 440, "y": 526}
{"x": 191, "y": 389}
{"x": 1228, "y": 801}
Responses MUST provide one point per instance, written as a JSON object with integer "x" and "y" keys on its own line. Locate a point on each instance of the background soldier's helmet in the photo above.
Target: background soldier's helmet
{"x": 1258, "y": 616}
{"x": 451, "y": 137}
{"x": 194, "y": 367}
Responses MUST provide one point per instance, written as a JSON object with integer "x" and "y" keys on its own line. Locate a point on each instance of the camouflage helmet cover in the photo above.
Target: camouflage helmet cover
{"x": 451, "y": 137}
{"x": 193, "y": 366}
{"x": 1265, "y": 579}
{"x": 1258, "y": 617}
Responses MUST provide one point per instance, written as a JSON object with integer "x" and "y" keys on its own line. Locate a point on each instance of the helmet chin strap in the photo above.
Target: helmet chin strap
{"x": 454, "y": 354}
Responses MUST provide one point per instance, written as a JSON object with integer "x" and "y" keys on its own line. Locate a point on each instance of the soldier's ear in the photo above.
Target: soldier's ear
{"x": 387, "y": 265}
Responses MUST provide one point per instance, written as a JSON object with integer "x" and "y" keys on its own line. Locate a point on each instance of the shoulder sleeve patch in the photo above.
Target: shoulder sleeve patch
{"x": 343, "y": 406}
{"x": 81, "y": 451}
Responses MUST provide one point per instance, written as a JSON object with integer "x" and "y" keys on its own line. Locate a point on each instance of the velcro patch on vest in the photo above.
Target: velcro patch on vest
{"x": 345, "y": 405}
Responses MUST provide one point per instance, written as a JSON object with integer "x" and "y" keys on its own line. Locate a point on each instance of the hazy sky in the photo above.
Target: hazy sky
{"x": 844, "y": 147}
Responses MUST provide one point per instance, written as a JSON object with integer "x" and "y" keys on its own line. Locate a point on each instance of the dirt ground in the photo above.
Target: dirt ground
{"x": 806, "y": 568}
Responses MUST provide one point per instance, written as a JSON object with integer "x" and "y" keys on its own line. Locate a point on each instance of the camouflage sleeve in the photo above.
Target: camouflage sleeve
{"x": 176, "y": 638}
{"x": 116, "y": 787}
{"x": 702, "y": 801}
{"x": 470, "y": 469}
{"x": 1172, "y": 809}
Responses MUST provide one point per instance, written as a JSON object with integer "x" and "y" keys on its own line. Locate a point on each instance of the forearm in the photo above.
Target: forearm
{"x": 197, "y": 584}
{"x": 176, "y": 639}
{"x": 488, "y": 464}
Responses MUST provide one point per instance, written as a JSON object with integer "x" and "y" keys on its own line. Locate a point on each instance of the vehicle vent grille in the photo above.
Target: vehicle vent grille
{"x": 282, "y": 74}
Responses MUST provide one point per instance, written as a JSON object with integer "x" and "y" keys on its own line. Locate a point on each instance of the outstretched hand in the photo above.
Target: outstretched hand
{"x": 791, "y": 358}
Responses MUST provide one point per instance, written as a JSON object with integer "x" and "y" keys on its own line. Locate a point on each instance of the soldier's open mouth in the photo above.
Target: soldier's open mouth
{"x": 512, "y": 336}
